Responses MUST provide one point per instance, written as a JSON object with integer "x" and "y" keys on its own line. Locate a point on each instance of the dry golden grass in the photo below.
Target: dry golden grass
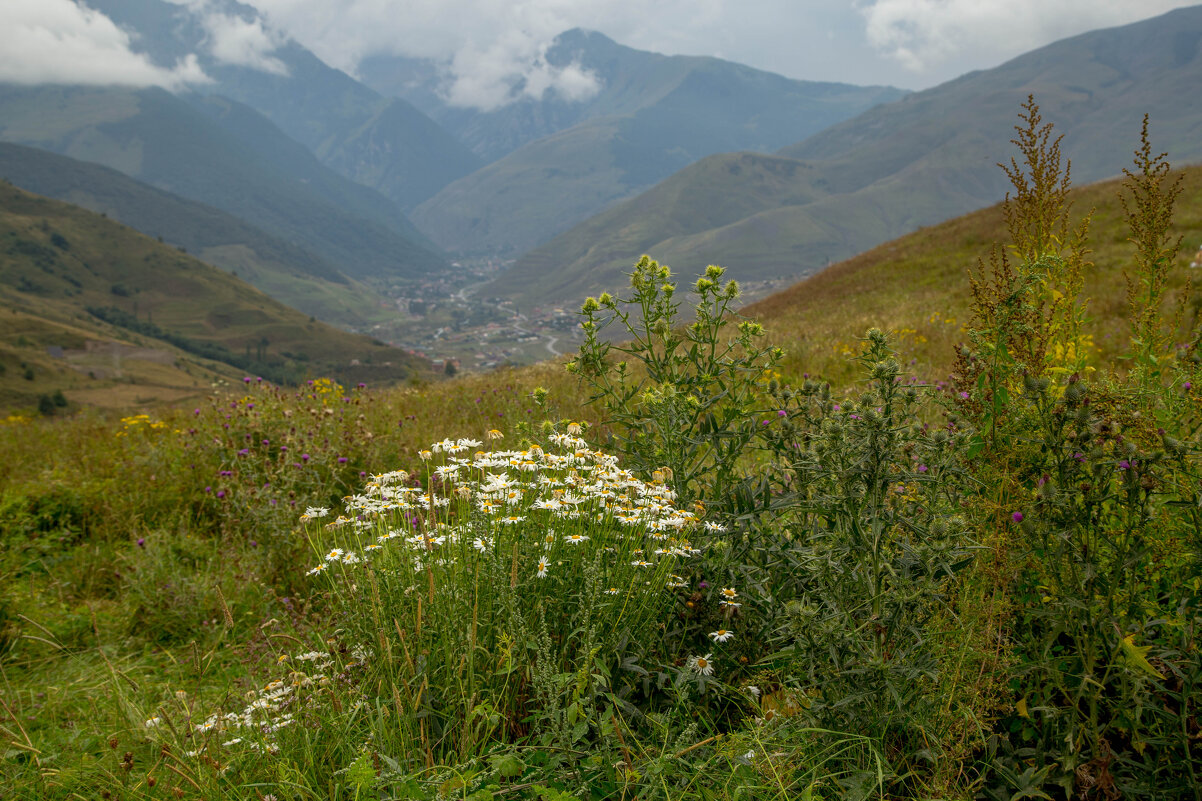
{"x": 917, "y": 287}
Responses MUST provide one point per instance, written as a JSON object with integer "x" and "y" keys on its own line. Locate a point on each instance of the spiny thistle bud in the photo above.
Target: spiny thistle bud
{"x": 714, "y": 272}
{"x": 539, "y": 395}
{"x": 732, "y": 290}
{"x": 606, "y": 300}
{"x": 704, "y": 284}
{"x": 590, "y": 305}
{"x": 885, "y": 370}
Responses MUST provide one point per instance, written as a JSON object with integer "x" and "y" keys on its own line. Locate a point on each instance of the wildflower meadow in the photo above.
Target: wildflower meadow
{"x": 671, "y": 570}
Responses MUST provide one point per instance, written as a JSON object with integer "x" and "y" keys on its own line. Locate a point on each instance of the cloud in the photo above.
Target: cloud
{"x": 511, "y": 69}
{"x": 492, "y": 52}
{"x": 244, "y": 43}
{"x": 235, "y": 40}
{"x": 58, "y": 41}
{"x": 923, "y": 35}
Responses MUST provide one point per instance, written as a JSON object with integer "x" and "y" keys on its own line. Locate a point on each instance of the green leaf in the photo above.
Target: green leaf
{"x": 507, "y": 766}
{"x": 1136, "y": 656}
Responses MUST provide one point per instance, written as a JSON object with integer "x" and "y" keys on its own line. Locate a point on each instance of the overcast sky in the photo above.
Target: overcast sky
{"x": 913, "y": 44}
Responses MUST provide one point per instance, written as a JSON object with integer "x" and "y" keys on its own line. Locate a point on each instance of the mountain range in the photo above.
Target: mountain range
{"x": 557, "y": 162}
{"x": 383, "y": 143}
{"x": 892, "y": 169}
{"x": 224, "y": 154}
{"x": 345, "y": 195}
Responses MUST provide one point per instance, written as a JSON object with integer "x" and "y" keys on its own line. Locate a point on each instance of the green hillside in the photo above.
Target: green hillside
{"x": 109, "y": 316}
{"x": 288, "y": 273}
{"x": 922, "y": 159}
{"x": 225, "y": 155}
{"x": 685, "y": 204}
{"x": 653, "y": 115}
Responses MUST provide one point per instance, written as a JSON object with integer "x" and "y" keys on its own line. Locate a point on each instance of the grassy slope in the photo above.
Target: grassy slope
{"x": 917, "y": 286}
{"x": 57, "y": 259}
{"x": 288, "y": 273}
{"x": 925, "y": 158}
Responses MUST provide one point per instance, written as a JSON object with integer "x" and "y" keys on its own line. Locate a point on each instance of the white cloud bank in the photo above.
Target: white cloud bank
{"x": 234, "y": 40}
{"x": 922, "y": 35}
{"x": 58, "y": 41}
{"x": 492, "y": 51}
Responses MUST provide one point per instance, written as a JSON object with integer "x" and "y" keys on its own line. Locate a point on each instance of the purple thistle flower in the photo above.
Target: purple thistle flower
{"x": 342, "y": 460}
{"x": 1017, "y": 517}
{"x": 141, "y": 542}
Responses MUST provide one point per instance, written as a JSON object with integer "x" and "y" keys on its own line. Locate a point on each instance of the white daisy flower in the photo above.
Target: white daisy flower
{"x": 702, "y": 664}
{"x": 721, "y": 635}
{"x": 542, "y": 567}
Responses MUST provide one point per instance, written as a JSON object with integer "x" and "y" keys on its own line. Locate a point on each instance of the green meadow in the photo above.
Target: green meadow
{"x": 927, "y": 525}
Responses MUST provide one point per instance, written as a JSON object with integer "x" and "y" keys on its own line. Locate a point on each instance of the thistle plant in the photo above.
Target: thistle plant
{"x": 681, "y": 396}
{"x": 878, "y": 541}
